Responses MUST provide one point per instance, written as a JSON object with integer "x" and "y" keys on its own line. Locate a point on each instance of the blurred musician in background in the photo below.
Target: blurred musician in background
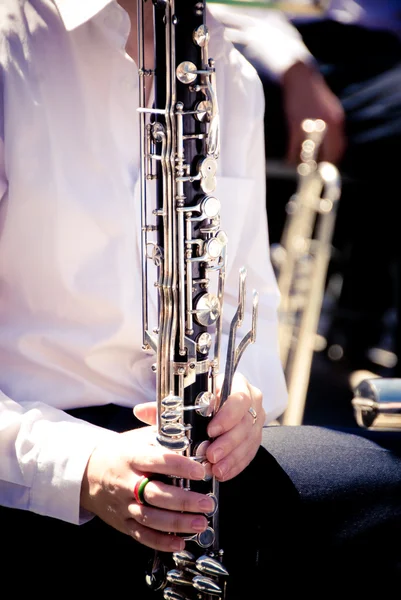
{"x": 343, "y": 66}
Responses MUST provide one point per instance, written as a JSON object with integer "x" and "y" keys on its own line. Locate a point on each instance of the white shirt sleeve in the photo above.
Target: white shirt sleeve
{"x": 266, "y": 36}
{"x": 44, "y": 452}
{"x": 3, "y": 179}
{"x": 260, "y": 363}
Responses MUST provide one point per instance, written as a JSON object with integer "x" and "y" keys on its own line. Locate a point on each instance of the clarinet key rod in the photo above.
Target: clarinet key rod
{"x": 234, "y": 353}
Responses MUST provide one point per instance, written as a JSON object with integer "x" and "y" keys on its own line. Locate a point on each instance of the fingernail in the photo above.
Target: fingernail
{"x": 221, "y": 470}
{"x": 217, "y": 455}
{"x": 207, "y": 505}
{"x": 197, "y": 472}
{"x": 214, "y": 431}
{"x": 177, "y": 545}
{"x": 199, "y": 524}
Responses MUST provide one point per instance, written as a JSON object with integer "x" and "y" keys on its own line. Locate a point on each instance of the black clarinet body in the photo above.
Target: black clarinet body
{"x": 182, "y": 235}
{"x": 183, "y": 230}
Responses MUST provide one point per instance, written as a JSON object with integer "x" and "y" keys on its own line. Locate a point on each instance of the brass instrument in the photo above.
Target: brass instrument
{"x": 316, "y": 8}
{"x": 377, "y": 403}
{"x": 301, "y": 261}
{"x": 182, "y": 235}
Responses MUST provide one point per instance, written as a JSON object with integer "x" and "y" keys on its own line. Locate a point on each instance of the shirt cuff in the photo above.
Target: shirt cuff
{"x": 61, "y": 463}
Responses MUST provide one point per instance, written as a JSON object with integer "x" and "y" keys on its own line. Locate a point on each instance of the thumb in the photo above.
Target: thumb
{"x": 146, "y": 412}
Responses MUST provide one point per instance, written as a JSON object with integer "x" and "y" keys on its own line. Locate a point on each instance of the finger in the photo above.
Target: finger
{"x": 152, "y": 538}
{"x": 241, "y": 382}
{"x": 257, "y": 404}
{"x": 233, "y": 409}
{"x": 146, "y": 412}
{"x": 165, "y": 462}
{"x": 173, "y": 498}
{"x": 236, "y": 462}
{"x": 223, "y": 451}
{"x": 168, "y": 520}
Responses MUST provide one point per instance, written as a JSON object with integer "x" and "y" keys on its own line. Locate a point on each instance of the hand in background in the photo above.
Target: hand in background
{"x": 307, "y": 96}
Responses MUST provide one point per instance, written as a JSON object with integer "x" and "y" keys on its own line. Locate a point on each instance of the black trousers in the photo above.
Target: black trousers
{"x": 49, "y": 557}
{"x": 363, "y": 68}
{"x": 318, "y": 509}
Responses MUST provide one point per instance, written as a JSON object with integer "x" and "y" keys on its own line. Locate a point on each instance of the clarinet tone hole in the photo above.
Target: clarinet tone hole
{"x": 174, "y": 429}
{"x": 214, "y": 248}
{"x": 210, "y": 207}
{"x": 205, "y": 403}
{"x": 172, "y": 402}
{"x": 204, "y": 342}
{"x": 171, "y": 416}
{"x": 203, "y": 110}
{"x": 200, "y": 450}
{"x": 186, "y": 72}
{"x": 206, "y": 538}
{"x": 201, "y": 35}
{"x": 214, "y": 511}
{"x": 207, "y": 310}
{"x": 177, "y": 444}
{"x": 208, "y": 167}
{"x": 222, "y": 237}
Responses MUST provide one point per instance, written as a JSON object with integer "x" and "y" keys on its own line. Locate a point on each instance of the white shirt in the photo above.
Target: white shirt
{"x": 70, "y": 272}
{"x": 271, "y": 41}
{"x": 265, "y": 35}
{"x": 372, "y": 14}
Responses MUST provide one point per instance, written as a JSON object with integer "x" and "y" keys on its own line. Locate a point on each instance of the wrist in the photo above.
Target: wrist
{"x": 297, "y": 73}
{"x": 88, "y": 485}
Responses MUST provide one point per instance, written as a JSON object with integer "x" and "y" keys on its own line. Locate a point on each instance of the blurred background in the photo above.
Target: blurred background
{"x": 331, "y": 71}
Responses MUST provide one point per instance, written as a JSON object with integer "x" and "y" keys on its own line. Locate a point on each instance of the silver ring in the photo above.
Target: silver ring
{"x": 252, "y": 411}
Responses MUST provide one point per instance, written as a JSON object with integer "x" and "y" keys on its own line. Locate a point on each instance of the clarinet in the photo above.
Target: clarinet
{"x": 182, "y": 237}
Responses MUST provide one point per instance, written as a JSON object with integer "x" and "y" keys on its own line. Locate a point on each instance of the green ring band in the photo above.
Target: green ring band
{"x": 141, "y": 489}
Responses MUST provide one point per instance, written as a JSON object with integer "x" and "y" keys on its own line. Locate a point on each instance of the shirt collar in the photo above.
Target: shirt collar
{"x": 76, "y": 12}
